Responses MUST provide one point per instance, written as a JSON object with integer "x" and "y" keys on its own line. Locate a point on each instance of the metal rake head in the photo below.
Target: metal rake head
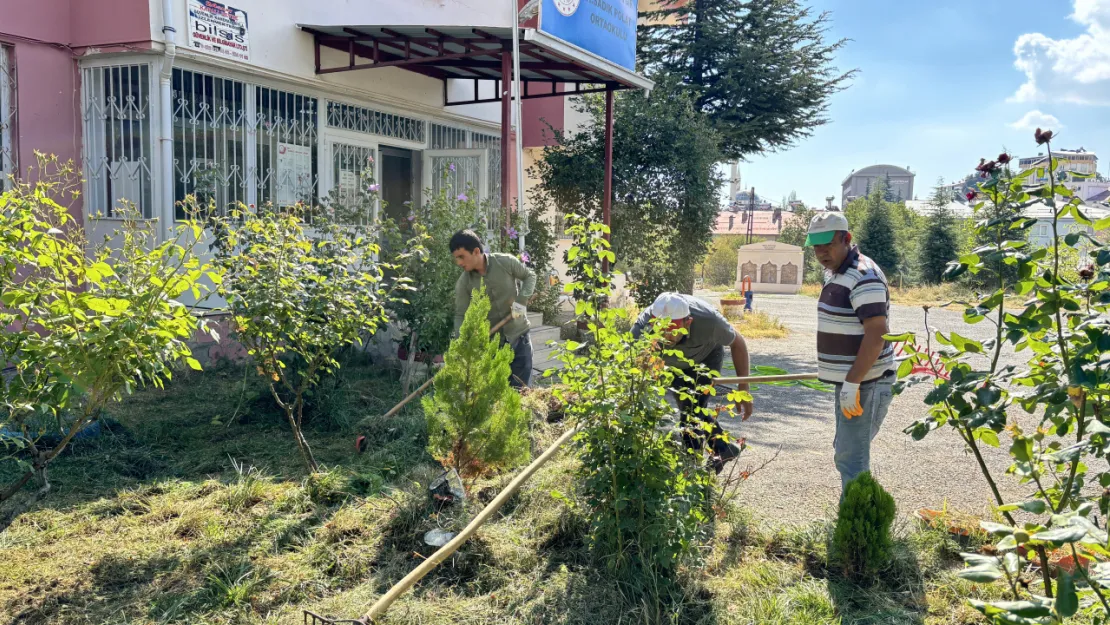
{"x": 312, "y": 618}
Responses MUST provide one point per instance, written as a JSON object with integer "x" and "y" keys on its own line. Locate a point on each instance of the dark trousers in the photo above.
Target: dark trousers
{"x": 521, "y": 366}
{"x": 694, "y": 438}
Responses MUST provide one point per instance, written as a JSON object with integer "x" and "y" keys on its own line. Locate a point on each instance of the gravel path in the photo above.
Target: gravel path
{"x": 802, "y": 483}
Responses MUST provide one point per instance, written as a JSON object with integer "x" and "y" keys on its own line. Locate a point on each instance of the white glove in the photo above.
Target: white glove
{"x": 849, "y": 400}
{"x": 519, "y": 310}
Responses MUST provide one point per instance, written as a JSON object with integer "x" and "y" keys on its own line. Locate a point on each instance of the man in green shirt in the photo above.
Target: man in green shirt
{"x": 500, "y": 272}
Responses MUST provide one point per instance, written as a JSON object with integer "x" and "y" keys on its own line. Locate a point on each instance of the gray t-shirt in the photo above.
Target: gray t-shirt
{"x": 708, "y": 331}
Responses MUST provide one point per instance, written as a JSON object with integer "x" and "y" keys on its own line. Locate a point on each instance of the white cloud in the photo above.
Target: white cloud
{"x": 1037, "y": 119}
{"x": 1068, "y": 70}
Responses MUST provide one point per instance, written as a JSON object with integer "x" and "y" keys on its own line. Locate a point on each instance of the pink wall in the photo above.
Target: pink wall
{"x": 111, "y": 23}
{"x": 47, "y": 37}
{"x": 538, "y": 114}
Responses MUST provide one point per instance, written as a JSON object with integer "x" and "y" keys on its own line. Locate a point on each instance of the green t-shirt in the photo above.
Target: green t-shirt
{"x": 503, "y": 271}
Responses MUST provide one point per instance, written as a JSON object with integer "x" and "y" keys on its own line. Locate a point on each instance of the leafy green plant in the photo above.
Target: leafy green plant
{"x": 861, "y": 541}
{"x": 646, "y": 496}
{"x": 300, "y": 295}
{"x": 83, "y": 323}
{"x": 1066, "y": 332}
{"x": 475, "y": 420}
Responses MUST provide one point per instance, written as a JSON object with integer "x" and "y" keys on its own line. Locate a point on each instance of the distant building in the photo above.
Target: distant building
{"x": 859, "y": 183}
{"x": 766, "y": 225}
{"x": 1079, "y": 161}
{"x": 1040, "y": 234}
{"x": 958, "y": 210}
{"x": 1071, "y": 162}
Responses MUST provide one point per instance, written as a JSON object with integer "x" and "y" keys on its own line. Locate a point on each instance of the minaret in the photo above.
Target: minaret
{"x": 733, "y": 182}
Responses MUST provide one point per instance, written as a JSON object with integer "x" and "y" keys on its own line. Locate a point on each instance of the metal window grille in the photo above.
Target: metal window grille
{"x": 351, "y": 199}
{"x": 209, "y": 140}
{"x": 8, "y": 109}
{"x": 369, "y": 121}
{"x": 286, "y": 142}
{"x": 448, "y": 138}
{"x": 493, "y": 145}
{"x": 116, "y": 113}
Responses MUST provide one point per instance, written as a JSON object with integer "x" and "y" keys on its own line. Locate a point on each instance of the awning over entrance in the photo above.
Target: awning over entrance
{"x": 476, "y": 54}
{"x": 467, "y": 53}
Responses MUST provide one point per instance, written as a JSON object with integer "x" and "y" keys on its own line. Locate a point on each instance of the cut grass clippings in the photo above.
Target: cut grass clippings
{"x": 758, "y": 324}
{"x": 192, "y": 512}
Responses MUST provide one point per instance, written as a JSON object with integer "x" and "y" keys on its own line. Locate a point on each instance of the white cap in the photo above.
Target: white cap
{"x": 670, "y": 306}
{"x": 823, "y": 226}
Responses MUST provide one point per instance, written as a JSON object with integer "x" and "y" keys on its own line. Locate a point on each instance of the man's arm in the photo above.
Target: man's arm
{"x": 527, "y": 279}
{"x": 742, "y": 365}
{"x": 874, "y": 328}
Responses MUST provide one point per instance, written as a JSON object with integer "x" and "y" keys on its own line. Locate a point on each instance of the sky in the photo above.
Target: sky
{"x": 942, "y": 83}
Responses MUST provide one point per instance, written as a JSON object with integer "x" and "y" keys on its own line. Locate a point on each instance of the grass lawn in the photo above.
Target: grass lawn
{"x": 196, "y": 510}
{"x": 934, "y": 295}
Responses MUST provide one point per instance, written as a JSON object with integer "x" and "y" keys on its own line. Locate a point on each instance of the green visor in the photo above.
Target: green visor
{"x": 819, "y": 238}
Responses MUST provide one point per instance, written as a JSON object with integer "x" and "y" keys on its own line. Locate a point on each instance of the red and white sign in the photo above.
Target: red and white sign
{"x": 219, "y": 29}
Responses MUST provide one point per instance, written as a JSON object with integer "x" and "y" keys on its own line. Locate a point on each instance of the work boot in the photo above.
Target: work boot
{"x": 724, "y": 452}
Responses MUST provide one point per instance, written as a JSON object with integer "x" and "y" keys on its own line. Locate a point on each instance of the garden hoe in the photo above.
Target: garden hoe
{"x": 360, "y": 442}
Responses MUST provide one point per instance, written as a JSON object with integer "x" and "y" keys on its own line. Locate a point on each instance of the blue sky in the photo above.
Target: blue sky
{"x": 944, "y": 82}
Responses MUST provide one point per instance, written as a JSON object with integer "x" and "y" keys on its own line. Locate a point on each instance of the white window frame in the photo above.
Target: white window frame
{"x": 154, "y": 159}
{"x": 333, "y": 136}
{"x": 326, "y": 135}
{"x": 483, "y": 166}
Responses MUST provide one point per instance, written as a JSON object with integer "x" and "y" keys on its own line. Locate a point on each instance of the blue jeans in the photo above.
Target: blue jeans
{"x": 852, "y": 443}
{"x": 521, "y": 366}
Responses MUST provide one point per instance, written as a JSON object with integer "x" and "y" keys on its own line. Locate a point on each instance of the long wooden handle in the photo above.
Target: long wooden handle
{"x": 441, "y": 554}
{"x": 757, "y": 379}
{"x": 423, "y": 387}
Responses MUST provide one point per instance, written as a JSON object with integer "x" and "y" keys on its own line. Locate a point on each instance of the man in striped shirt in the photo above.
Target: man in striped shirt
{"x": 851, "y": 351}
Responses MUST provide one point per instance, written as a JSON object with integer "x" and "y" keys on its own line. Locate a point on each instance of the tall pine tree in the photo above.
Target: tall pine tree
{"x": 939, "y": 244}
{"x": 762, "y": 71}
{"x": 876, "y": 238}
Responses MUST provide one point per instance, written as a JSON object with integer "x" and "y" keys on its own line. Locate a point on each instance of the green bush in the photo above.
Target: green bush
{"x": 475, "y": 421}
{"x": 861, "y": 541}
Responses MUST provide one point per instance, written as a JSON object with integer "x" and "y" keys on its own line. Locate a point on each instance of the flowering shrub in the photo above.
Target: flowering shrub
{"x": 1065, "y": 330}
{"x": 303, "y": 294}
{"x": 83, "y": 323}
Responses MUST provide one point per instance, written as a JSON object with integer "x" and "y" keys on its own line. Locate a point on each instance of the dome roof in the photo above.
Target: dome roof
{"x": 879, "y": 169}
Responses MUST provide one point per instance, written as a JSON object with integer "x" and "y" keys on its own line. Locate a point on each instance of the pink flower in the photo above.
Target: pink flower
{"x": 525, "y": 258}
{"x": 451, "y": 167}
{"x": 462, "y": 197}
{"x": 374, "y": 188}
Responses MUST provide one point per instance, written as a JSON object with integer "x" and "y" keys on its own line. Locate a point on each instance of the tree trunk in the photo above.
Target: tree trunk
{"x": 409, "y": 366}
{"x": 302, "y": 443}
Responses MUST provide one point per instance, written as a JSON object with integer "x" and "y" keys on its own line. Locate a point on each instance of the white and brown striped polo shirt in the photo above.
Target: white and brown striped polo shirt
{"x": 856, "y": 291}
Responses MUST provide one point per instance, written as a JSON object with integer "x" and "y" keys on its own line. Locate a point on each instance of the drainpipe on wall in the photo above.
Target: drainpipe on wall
{"x": 166, "y": 99}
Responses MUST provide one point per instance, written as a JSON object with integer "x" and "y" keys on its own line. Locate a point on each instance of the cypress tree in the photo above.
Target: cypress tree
{"x": 475, "y": 421}
{"x": 939, "y": 244}
{"x": 876, "y": 237}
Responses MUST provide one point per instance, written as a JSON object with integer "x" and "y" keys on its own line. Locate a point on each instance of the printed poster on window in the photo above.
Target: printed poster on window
{"x": 218, "y": 28}
{"x": 294, "y": 173}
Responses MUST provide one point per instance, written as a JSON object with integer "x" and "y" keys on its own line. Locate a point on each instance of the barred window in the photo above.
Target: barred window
{"x": 8, "y": 151}
{"x": 209, "y": 140}
{"x": 369, "y": 121}
{"x": 117, "y": 153}
{"x": 448, "y": 138}
{"x": 493, "y": 144}
{"x": 288, "y": 171}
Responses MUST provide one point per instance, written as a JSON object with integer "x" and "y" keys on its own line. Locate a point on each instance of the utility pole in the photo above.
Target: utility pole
{"x": 751, "y": 215}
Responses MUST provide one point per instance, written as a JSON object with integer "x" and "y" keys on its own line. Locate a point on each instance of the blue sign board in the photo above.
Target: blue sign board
{"x": 607, "y": 28}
